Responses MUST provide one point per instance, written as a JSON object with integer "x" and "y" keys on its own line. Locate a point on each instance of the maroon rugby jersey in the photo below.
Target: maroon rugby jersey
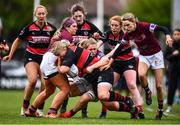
{"x": 144, "y": 38}
{"x": 38, "y": 39}
{"x": 62, "y": 34}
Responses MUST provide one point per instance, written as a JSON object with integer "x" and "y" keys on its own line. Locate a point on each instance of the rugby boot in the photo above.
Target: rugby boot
{"x": 148, "y": 97}
{"x": 66, "y": 115}
{"x": 159, "y": 114}
{"x": 102, "y": 115}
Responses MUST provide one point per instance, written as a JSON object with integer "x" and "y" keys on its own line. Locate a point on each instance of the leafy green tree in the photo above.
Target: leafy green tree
{"x": 157, "y": 11}
{"x": 16, "y": 14}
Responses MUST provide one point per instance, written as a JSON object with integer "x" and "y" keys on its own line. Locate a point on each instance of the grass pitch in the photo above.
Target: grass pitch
{"x": 11, "y": 101}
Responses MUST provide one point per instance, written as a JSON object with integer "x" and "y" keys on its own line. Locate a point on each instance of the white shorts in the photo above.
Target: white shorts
{"x": 155, "y": 61}
{"x": 84, "y": 87}
{"x": 47, "y": 66}
{"x": 105, "y": 84}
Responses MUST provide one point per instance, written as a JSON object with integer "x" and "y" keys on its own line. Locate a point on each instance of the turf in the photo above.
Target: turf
{"x": 11, "y": 100}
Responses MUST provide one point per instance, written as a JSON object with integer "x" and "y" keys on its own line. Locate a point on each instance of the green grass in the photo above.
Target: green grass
{"x": 11, "y": 100}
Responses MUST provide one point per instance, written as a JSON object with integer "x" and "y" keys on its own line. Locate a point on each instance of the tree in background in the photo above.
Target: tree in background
{"x": 157, "y": 11}
{"x": 16, "y": 14}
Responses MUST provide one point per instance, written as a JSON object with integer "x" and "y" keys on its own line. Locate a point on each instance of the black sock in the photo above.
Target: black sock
{"x": 160, "y": 104}
{"x": 41, "y": 106}
{"x": 84, "y": 109}
{"x": 123, "y": 107}
{"x": 65, "y": 102}
{"x": 115, "y": 96}
{"x": 64, "y": 106}
{"x": 25, "y": 104}
{"x": 146, "y": 88}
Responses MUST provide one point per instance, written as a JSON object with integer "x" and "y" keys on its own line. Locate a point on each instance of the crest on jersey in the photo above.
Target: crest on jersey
{"x": 130, "y": 66}
{"x": 85, "y": 33}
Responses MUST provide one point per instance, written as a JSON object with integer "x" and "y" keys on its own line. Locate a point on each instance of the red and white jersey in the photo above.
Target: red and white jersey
{"x": 38, "y": 39}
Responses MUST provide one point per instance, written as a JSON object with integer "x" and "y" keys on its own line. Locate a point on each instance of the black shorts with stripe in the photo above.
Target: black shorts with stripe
{"x": 98, "y": 76}
{"x": 120, "y": 66}
{"x": 29, "y": 57}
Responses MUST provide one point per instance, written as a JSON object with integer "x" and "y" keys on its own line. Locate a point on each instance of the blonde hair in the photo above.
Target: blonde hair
{"x": 116, "y": 18}
{"x": 59, "y": 45}
{"x": 86, "y": 42}
{"x": 40, "y": 6}
{"x": 129, "y": 16}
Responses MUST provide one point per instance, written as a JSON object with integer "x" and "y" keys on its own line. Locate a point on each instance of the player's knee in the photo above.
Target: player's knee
{"x": 132, "y": 87}
{"x": 49, "y": 92}
{"x": 65, "y": 89}
{"x": 159, "y": 87}
{"x": 103, "y": 96}
{"x": 142, "y": 76}
{"x": 32, "y": 84}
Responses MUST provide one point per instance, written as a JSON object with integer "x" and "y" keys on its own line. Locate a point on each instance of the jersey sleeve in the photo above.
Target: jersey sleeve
{"x": 53, "y": 29}
{"x": 147, "y": 26}
{"x": 117, "y": 51}
{"x": 95, "y": 29}
{"x": 125, "y": 37}
{"x": 162, "y": 29}
{"x": 154, "y": 27}
{"x": 69, "y": 59}
{"x": 104, "y": 37}
{"x": 23, "y": 33}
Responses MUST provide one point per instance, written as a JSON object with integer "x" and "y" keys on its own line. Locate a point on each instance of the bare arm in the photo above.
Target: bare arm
{"x": 99, "y": 43}
{"x": 14, "y": 46}
{"x": 112, "y": 51}
{"x": 169, "y": 40}
{"x": 63, "y": 69}
{"x": 107, "y": 66}
{"x": 103, "y": 61}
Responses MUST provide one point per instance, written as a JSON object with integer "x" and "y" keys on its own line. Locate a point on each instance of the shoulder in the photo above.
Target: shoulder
{"x": 28, "y": 25}
{"x": 49, "y": 56}
{"x": 52, "y": 26}
{"x": 146, "y": 24}
{"x": 89, "y": 23}
{"x": 24, "y": 30}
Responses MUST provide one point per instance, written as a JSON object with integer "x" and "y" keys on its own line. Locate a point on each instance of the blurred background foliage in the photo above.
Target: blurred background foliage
{"x": 157, "y": 11}
{"x": 16, "y": 14}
